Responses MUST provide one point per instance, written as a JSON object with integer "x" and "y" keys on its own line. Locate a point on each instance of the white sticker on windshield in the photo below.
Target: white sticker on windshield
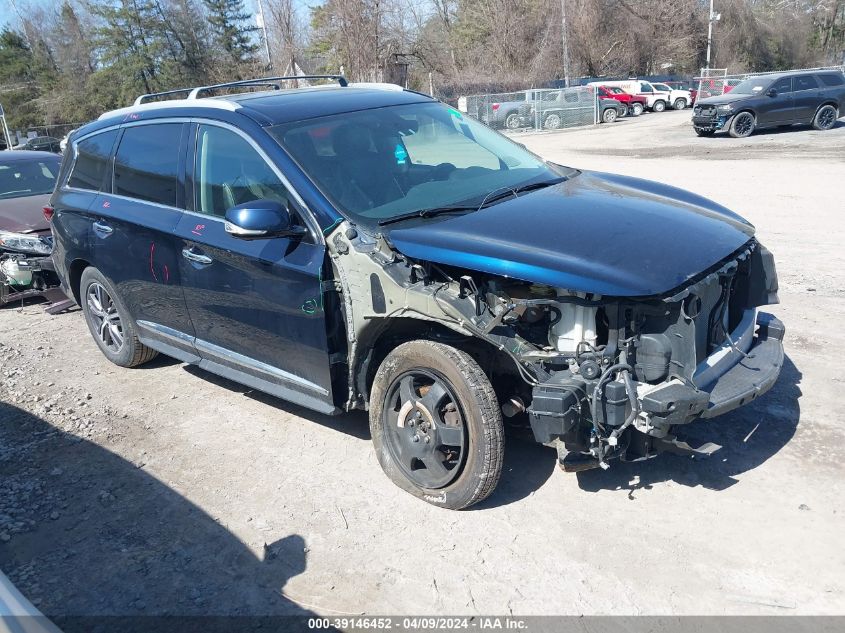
{"x": 757, "y": 88}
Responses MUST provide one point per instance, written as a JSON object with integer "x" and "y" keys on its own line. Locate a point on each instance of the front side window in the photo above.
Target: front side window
{"x": 147, "y": 161}
{"x": 783, "y": 85}
{"x": 381, "y": 163}
{"x": 92, "y": 159}
{"x": 646, "y": 88}
{"x": 805, "y": 82}
{"x": 229, "y": 172}
{"x": 22, "y": 178}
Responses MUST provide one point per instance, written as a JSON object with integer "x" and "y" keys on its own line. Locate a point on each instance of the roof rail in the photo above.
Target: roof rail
{"x": 149, "y": 97}
{"x": 273, "y": 82}
{"x": 264, "y": 81}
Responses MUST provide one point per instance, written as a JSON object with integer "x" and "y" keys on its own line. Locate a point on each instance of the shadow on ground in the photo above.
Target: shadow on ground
{"x": 84, "y": 532}
{"x": 749, "y": 436}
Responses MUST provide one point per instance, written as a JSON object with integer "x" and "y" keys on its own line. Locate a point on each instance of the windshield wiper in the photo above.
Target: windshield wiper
{"x": 427, "y": 213}
{"x": 488, "y": 200}
{"x": 515, "y": 191}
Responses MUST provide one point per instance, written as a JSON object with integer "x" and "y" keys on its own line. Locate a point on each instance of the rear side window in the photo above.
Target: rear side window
{"x": 92, "y": 161}
{"x": 832, "y": 79}
{"x": 147, "y": 162}
{"x": 805, "y": 82}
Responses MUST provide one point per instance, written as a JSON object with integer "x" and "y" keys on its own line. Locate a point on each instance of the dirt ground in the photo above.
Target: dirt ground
{"x": 165, "y": 490}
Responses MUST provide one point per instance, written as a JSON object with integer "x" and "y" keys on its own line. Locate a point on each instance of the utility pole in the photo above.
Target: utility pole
{"x": 565, "y": 44}
{"x": 264, "y": 33}
{"x": 714, "y": 17}
{"x": 5, "y": 129}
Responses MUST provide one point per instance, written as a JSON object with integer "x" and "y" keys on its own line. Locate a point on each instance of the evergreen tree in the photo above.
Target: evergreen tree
{"x": 233, "y": 27}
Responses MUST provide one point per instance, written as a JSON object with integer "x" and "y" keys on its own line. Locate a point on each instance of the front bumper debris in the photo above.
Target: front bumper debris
{"x": 710, "y": 123}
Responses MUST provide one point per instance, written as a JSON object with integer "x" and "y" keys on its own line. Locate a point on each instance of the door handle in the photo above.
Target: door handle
{"x": 102, "y": 229}
{"x": 190, "y": 255}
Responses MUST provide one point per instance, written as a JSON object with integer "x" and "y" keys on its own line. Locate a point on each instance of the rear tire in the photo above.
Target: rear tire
{"x": 825, "y": 118}
{"x": 513, "y": 121}
{"x": 109, "y": 321}
{"x": 402, "y": 407}
{"x": 553, "y": 122}
{"x": 659, "y": 106}
{"x": 743, "y": 125}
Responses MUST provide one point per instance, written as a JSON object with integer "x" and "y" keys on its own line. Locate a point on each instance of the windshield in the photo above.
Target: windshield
{"x": 753, "y": 86}
{"x": 27, "y": 178}
{"x": 381, "y": 163}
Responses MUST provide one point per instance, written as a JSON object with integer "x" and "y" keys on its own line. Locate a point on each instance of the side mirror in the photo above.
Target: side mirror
{"x": 261, "y": 219}
{"x": 772, "y": 93}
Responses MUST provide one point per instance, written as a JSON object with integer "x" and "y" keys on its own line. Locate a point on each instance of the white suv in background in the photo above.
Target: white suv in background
{"x": 677, "y": 99}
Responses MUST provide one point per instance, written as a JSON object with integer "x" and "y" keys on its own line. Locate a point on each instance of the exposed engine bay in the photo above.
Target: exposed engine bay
{"x": 24, "y": 271}
{"x": 597, "y": 377}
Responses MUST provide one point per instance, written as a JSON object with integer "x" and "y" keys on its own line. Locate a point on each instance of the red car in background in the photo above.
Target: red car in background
{"x": 634, "y": 104}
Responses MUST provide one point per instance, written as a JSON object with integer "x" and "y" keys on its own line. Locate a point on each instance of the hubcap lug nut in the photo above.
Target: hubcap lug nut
{"x": 427, "y": 439}
{"x": 416, "y": 438}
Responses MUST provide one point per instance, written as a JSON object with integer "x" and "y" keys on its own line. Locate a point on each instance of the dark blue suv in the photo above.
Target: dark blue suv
{"x": 367, "y": 247}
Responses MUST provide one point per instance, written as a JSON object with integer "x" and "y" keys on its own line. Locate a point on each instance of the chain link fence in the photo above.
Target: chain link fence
{"x": 56, "y": 131}
{"x": 534, "y": 109}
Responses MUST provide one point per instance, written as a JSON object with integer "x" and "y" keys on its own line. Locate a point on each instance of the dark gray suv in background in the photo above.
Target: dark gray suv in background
{"x": 814, "y": 98}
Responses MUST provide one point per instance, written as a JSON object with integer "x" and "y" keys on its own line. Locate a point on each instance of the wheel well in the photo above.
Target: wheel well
{"x": 829, "y": 103}
{"x": 74, "y": 276}
{"x": 388, "y": 334}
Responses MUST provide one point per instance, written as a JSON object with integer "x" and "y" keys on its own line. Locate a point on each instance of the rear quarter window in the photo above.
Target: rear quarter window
{"x": 147, "y": 161}
{"x": 92, "y": 161}
{"x": 832, "y": 79}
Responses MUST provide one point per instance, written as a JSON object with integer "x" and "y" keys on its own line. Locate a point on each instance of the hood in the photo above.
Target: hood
{"x": 729, "y": 97}
{"x": 599, "y": 233}
{"x": 24, "y": 215}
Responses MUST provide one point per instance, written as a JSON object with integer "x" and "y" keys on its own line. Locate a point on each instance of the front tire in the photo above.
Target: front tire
{"x": 679, "y": 104}
{"x": 659, "y": 106}
{"x": 704, "y": 133}
{"x": 109, "y": 321}
{"x": 609, "y": 115}
{"x": 436, "y": 424}
{"x": 743, "y": 125}
{"x": 637, "y": 109}
{"x": 825, "y": 118}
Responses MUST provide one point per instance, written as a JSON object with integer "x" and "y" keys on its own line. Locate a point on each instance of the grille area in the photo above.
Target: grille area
{"x": 705, "y": 110}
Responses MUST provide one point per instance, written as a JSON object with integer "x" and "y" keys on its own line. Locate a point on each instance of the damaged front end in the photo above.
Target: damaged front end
{"x": 26, "y": 269}
{"x": 597, "y": 377}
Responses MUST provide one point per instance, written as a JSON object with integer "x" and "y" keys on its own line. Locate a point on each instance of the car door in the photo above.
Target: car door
{"x": 129, "y": 227}
{"x": 807, "y": 97}
{"x": 256, "y": 304}
{"x": 777, "y": 109}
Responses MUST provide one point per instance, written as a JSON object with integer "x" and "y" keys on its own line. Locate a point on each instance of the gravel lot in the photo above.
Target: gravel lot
{"x": 165, "y": 490}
